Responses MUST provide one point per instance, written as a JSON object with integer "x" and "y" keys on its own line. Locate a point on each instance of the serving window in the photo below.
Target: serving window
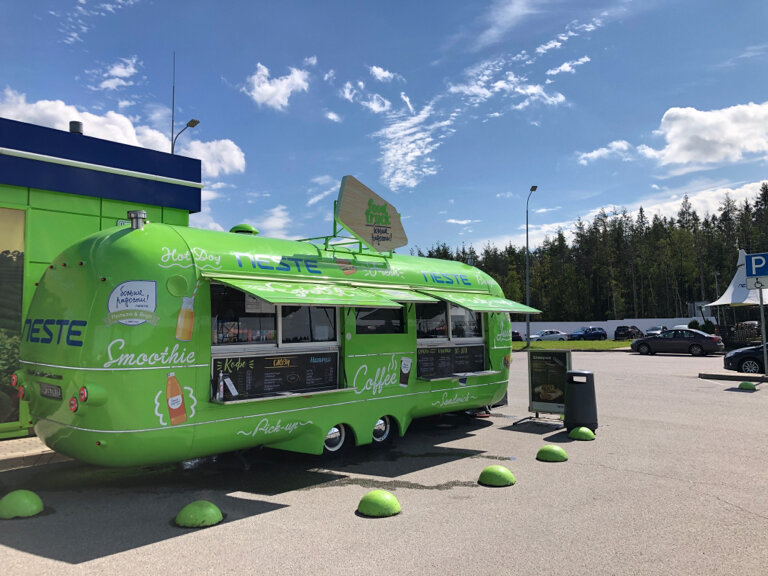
{"x": 263, "y": 350}
{"x": 450, "y": 340}
{"x": 380, "y": 320}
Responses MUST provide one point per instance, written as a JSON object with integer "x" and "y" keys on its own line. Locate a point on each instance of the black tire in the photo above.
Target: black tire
{"x": 750, "y": 366}
{"x": 384, "y": 431}
{"x": 561, "y": 339}
{"x": 643, "y": 349}
{"x": 696, "y": 350}
{"x": 336, "y": 440}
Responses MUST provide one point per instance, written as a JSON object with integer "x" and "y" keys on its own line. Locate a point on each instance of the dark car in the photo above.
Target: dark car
{"x": 588, "y": 333}
{"x": 682, "y": 341}
{"x": 627, "y": 333}
{"x": 516, "y": 336}
{"x": 655, "y": 330}
{"x": 749, "y": 360}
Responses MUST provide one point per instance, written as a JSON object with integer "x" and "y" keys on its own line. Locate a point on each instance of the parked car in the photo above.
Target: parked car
{"x": 655, "y": 330}
{"x": 627, "y": 333}
{"x": 749, "y": 359}
{"x": 588, "y": 333}
{"x": 516, "y": 336}
{"x": 549, "y": 335}
{"x": 683, "y": 341}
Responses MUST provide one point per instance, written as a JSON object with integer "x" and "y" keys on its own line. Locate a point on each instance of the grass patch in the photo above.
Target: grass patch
{"x": 575, "y": 345}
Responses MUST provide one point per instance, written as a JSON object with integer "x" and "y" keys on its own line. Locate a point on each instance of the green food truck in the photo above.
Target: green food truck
{"x": 150, "y": 343}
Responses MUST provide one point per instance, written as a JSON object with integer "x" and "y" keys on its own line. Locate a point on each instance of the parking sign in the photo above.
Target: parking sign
{"x": 757, "y": 265}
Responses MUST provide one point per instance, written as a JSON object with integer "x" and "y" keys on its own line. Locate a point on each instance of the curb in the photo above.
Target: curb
{"x": 734, "y": 377}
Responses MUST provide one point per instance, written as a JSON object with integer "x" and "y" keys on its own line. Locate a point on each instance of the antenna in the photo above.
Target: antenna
{"x": 173, "y": 98}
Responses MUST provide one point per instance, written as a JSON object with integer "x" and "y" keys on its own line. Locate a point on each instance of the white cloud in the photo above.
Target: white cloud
{"x": 275, "y": 92}
{"x": 123, "y": 68}
{"x": 333, "y": 117}
{"x": 616, "y": 149}
{"x": 502, "y": 16}
{"x": 75, "y": 23}
{"x": 274, "y": 223}
{"x": 479, "y": 77}
{"x": 408, "y": 143}
{"x": 698, "y": 138}
{"x": 461, "y": 222}
{"x": 204, "y": 219}
{"x": 377, "y": 104}
{"x": 545, "y": 210}
{"x": 125, "y": 104}
{"x": 551, "y": 45}
{"x": 383, "y": 75}
{"x": 319, "y": 196}
{"x": 348, "y": 92}
{"x": 218, "y": 157}
{"x": 568, "y": 66}
{"x": 113, "y": 84}
{"x": 407, "y": 101}
{"x": 310, "y": 61}
{"x": 324, "y": 180}
{"x": 330, "y": 76}
{"x": 507, "y": 195}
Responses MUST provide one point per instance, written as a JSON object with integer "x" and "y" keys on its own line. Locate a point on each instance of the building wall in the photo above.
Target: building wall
{"x": 56, "y": 188}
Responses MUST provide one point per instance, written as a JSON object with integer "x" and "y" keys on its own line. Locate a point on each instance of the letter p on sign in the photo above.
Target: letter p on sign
{"x": 757, "y": 265}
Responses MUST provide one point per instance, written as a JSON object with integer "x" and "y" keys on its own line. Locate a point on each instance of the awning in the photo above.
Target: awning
{"x": 484, "y": 302}
{"x": 401, "y": 295}
{"x": 309, "y": 294}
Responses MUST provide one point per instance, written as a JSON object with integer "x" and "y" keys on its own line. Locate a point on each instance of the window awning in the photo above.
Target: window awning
{"x": 401, "y": 295}
{"x": 484, "y": 302}
{"x": 309, "y": 294}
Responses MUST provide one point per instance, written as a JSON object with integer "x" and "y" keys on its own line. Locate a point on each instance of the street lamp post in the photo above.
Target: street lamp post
{"x": 191, "y": 124}
{"x": 527, "y": 277}
{"x": 717, "y": 296}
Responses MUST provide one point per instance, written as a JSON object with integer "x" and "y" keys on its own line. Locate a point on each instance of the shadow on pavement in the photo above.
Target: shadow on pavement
{"x": 92, "y": 512}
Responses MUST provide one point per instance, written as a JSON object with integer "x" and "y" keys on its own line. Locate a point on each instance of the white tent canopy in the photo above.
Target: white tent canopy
{"x": 737, "y": 293}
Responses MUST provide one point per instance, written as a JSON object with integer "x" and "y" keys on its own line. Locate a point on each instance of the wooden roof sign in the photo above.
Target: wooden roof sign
{"x": 369, "y": 217}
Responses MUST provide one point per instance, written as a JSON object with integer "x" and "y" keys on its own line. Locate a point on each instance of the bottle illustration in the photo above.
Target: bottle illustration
{"x": 177, "y": 412}
{"x": 185, "y": 323}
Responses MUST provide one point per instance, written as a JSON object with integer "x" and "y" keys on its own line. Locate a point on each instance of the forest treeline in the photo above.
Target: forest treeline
{"x": 618, "y": 266}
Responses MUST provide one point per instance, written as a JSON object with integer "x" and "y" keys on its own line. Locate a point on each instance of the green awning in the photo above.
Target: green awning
{"x": 401, "y": 295}
{"x": 484, "y": 302}
{"x": 309, "y": 294}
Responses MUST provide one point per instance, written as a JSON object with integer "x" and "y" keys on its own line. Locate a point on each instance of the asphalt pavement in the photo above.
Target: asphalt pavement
{"x": 673, "y": 484}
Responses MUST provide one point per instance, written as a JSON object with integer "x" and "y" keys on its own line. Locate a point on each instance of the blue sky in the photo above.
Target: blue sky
{"x": 449, "y": 109}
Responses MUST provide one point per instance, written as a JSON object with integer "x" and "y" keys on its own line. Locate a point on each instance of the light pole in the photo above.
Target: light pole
{"x": 191, "y": 124}
{"x": 527, "y": 277}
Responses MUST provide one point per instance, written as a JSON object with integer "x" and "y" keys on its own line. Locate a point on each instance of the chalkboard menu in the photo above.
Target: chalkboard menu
{"x": 443, "y": 362}
{"x": 240, "y": 378}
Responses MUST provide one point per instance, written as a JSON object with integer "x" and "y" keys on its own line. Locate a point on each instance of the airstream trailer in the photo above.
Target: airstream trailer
{"x": 154, "y": 343}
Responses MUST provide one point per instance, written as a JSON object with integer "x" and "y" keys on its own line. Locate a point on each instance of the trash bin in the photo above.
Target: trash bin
{"x": 580, "y": 402}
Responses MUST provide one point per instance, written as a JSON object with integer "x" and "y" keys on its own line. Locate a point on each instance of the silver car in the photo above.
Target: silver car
{"x": 549, "y": 335}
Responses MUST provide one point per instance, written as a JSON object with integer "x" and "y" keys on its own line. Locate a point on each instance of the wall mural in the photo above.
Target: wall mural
{"x": 11, "y": 285}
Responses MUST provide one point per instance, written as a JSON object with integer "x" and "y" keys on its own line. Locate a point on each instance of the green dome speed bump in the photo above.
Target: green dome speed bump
{"x": 551, "y": 453}
{"x": 20, "y": 504}
{"x": 747, "y": 386}
{"x": 379, "y": 504}
{"x": 199, "y": 514}
{"x": 581, "y": 433}
{"x": 496, "y": 475}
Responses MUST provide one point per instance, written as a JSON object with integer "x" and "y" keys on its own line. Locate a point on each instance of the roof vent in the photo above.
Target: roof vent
{"x": 244, "y": 229}
{"x": 75, "y": 127}
{"x": 137, "y": 218}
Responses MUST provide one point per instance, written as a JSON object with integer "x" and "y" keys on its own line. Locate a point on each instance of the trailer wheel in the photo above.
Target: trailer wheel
{"x": 383, "y": 431}
{"x": 335, "y": 439}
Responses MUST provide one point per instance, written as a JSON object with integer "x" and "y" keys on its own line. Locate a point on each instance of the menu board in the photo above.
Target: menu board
{"x": 547, "y": 376}
{"x": 446, "y": 361}
{"x": 240, "y": 378}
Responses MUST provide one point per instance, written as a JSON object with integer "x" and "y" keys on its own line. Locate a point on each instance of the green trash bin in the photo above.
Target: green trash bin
{"x": 580, "y": 402}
